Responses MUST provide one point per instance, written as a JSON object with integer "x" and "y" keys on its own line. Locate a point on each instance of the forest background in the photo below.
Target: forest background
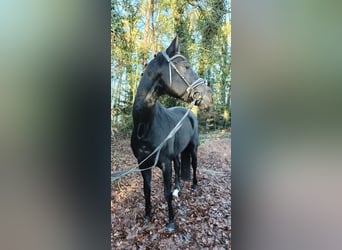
{"x": 142, "y": 28}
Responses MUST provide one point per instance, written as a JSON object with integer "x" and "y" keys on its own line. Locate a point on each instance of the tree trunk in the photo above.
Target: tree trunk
{"x": 147, "y": 30}
{"x": 153, "y": 39}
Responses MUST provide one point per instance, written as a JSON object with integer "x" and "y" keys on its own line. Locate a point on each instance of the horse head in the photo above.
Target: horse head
{"x": 175, "y": 77}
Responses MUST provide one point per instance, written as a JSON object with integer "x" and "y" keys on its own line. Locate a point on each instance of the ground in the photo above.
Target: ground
{"x": 202, "y": 217}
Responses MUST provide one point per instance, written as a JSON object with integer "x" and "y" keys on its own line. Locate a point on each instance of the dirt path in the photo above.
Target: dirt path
{"x": 203, "y": 217}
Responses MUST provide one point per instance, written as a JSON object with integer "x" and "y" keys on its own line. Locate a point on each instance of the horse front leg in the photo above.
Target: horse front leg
{"x": 147, "y": 193}
{"x": 176, "y": 164}
{"x": 167, "y": 175}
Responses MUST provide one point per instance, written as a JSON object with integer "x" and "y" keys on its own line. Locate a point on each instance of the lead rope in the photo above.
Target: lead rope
{"x": 122, "y": 173}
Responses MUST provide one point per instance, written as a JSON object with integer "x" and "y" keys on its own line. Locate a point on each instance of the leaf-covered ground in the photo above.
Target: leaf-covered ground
{"x": 203, "y": 217}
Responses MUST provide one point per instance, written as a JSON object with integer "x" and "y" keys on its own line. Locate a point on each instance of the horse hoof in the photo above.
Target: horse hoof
{"x": 170, "y": 227}
{"x": 147, "y": 217}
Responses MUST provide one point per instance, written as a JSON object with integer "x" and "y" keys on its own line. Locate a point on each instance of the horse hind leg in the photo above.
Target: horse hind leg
{"x": 167, "y": 175}
{"x": 176, "y": 164}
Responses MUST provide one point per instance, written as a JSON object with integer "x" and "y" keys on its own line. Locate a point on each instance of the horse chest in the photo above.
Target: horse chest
{"x": 143, "y": 148}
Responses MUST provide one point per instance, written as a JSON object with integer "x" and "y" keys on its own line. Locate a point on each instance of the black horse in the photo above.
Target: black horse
{"x": 168, "y": 73}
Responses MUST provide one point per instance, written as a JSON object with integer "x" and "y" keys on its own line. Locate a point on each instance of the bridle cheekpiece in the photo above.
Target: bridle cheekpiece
{"x": 191, "y": 86}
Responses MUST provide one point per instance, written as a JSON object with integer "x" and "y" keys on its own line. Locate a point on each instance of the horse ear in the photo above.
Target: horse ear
{"x": 173, "y": 49}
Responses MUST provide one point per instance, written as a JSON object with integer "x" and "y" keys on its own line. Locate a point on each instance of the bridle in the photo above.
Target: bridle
{"x": 191, "y": 86}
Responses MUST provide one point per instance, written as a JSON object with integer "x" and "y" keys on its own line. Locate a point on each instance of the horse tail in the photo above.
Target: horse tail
{"x": 188, "y": 152}
{"x": 185, "y": 164}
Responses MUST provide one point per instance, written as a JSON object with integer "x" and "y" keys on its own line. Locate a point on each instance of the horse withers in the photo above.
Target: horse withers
{"x": 168, "y": 73}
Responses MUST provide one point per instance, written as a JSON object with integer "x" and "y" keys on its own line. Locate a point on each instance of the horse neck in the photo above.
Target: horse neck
{"x": 144, "y": 106}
